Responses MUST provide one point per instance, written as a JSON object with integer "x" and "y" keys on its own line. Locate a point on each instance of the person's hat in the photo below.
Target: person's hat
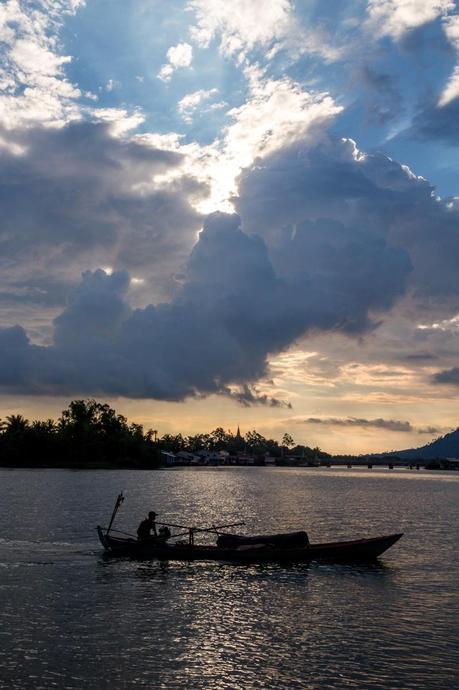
{"x": 152, "y": 513}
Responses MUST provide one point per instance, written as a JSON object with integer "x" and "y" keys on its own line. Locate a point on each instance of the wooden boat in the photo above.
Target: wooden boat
{"x": 293, "y": 547}
{"x": 356, "y": 550}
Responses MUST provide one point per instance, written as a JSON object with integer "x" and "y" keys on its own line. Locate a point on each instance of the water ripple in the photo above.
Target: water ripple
{"x": 72, "y": 620}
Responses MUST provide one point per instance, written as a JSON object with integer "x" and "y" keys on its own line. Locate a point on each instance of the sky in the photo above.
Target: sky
{"x": 233, "y": 214}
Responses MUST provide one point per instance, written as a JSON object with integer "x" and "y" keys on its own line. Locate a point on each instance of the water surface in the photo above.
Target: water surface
{"x": 69, "y": 619}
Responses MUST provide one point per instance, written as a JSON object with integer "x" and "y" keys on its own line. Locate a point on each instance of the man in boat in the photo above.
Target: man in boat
{"x": 147, "y": 528}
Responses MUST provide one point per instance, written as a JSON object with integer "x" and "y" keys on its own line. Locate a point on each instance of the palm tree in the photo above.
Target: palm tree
{"x": 16, "y": 424}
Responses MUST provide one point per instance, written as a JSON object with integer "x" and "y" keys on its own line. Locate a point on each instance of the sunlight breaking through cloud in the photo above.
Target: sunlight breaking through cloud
{"x": 326, "y": 131}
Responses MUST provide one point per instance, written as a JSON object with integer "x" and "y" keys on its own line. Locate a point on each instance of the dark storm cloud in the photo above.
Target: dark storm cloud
{"x": 448, "y": 376}
{"x": 330, "y": 240}
{"x": 312, "y": 205}
{"x": 232, "y": 310}
{"x": 96, "y": 311}
{"x": 328, "y": 181}
{"x": 388, "y": 424}
{"x": 16, "y": 353}
{"x": 205, "y": 338}
{"x": 248, "y": 396}
{"x": 76, "y": 198}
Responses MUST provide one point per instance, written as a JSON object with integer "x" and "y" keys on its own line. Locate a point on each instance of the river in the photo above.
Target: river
{"x": 69, "y": 619}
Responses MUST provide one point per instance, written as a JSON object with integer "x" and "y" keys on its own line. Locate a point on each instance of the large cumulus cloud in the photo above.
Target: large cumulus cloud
{"x": 330, "y": 239}
{"x": 76, "y": 198}
{"x": 369, "y": 202}
{"x": 232, "y": 310}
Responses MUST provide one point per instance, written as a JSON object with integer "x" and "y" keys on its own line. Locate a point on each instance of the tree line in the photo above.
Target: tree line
{"x": 89, "y": 433}
{"x": 252, "y": 443}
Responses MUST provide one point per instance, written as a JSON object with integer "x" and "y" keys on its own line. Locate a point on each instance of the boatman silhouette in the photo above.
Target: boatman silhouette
{"x": 147, "y": 526}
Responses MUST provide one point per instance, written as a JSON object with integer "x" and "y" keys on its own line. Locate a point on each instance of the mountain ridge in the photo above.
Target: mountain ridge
{"x": 446, "y": 446}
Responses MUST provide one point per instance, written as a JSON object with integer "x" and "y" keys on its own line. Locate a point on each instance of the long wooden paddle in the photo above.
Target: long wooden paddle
{"x": 214, "y": 528}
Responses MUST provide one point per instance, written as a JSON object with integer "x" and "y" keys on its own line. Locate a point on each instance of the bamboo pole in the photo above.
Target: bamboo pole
{"x": 119, "y": 501}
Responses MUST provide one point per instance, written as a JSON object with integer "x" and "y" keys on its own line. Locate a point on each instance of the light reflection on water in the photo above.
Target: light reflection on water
{"x": 71, "y": 620}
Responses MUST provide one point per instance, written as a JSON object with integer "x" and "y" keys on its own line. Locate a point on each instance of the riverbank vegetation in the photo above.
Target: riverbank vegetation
{"x": 87, "y": 434}
{"x": 92, "y": 434}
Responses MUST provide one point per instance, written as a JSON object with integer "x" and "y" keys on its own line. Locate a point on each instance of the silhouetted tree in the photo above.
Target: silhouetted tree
{"x": 220, "y": 439}
{"x": 87, "y": 433}
{"x": 172, "y": 443}
{"x": 16, "y": 424}
{"x": 90, "y": 433}
{"x": 198, "y": 442}
{"x": 287, "y": 441}
{"x": 255, "y": 442}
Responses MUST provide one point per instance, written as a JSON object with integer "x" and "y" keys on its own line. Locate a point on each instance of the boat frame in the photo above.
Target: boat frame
{"x": 366, "y": 549}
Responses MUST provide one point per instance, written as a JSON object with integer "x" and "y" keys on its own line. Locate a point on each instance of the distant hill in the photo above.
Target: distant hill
{"x": 444, "y": 447}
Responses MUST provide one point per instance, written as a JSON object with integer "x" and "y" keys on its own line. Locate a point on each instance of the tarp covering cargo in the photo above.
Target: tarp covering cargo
{"x": 288, "y": 541}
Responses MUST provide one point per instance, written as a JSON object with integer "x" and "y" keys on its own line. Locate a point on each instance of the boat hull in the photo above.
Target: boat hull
{"x": 357, "y": 550}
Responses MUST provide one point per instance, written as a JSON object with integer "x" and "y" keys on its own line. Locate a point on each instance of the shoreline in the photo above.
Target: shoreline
{"x": 114, "y": 467}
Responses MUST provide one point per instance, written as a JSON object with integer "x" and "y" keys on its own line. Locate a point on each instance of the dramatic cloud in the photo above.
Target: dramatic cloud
{"x": 275, "y": 113}
{"x": 311, "y": 202}
{"x": 325, "y": 255}
{"x": 347, "y": 259}
{"x": 78, "y": 198}
{"x": 231, "y": 311}
{"x": 387, "y": 424}
{"x": 331, "y": 238}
